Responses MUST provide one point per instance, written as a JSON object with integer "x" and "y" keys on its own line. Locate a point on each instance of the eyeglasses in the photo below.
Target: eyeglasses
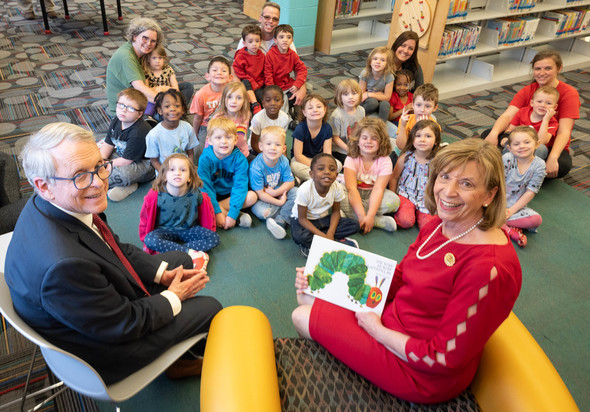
{"x": 146, "y": 39}
{"x": 268, "y": 18}
{"x": 128, "y": 108}
{"x": 84, "y": 180}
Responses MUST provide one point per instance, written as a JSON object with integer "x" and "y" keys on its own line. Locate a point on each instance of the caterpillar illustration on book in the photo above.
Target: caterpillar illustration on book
{"x": 354, "y": 267}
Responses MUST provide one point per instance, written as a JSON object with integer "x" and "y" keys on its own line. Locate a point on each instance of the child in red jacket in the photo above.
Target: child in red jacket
{"x": 249, "y": 65}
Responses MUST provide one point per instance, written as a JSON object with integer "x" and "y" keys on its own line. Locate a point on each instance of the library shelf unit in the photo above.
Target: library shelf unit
{"x": 366, "y": 30}
{"x": 489, "y": 64}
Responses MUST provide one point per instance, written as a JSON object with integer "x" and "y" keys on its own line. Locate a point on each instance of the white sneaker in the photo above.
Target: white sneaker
{"x": 200, "y": 259}
{"x": 277, "y": 230}
{"x": 116, "y": 194}
{"x": 386, "y": 223}
{"x": 244, "y": 220}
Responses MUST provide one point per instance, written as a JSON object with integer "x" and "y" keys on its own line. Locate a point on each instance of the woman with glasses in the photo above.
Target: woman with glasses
{"x": 124, "y": 69}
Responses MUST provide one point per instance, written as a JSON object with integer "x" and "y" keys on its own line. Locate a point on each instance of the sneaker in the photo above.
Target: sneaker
{"x": 350, "y": 242}
{"x": 386, "y": 223}
{"x": 200, "y": 259}
{"x": 255, "y": 107}
{"x": 293, "y": 124}
{"x": 340, "y": 179}
{"x": 244, "y": 220}
{"x": 516, "y": 234}
{"x": 304, "y": 250}
{"x": 116, "y": 194}
{"x": 277, "y": 230}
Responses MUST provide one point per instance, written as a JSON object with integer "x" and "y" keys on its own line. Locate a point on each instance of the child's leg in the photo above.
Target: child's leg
{"x": 346, "y": 227}
{"x": 301, "y": 235}
{"x": 263, "y": 210}
{"x": 136, "y": 172}
{"x": 371, "y": 105}
{"x": 341, "y": 157}
{"x": 199, "y": 238}
{"x": 525, "y": 218}
{"x": 389, "y": 204}
{"x": 423, "y": 218}
{"x": 284, "y": 215}
{"x": 384, "y": 109}
{"x": 202, "y": 138}
{"x": 405, "y": 217}
{"x": 164, "y": 240}
{"x": 542, "y": 152}
{"x": 300, "y": 170}
{"x": 346, "y": 209}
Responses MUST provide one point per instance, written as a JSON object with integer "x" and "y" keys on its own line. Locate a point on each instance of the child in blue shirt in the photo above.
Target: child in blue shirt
{"x": 273, "y": 182}
{"x": 224, "y": 172}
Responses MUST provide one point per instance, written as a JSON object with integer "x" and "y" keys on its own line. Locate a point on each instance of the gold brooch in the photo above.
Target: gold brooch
{"x": 449, "y": 259}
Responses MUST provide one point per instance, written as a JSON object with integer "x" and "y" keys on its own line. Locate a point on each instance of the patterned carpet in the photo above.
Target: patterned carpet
{"x": 61, "y": 77}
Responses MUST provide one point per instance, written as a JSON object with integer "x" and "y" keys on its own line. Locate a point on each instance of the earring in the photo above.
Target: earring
{"x": 485, "y": 205}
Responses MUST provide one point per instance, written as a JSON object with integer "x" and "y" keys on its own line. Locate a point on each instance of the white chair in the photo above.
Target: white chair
{"x": 79, "y": 375}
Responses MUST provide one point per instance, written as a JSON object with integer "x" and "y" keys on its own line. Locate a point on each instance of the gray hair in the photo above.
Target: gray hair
{"x": 36, "y": 156}
{"x": 141, "y": 24}
{"x": 270, "y": 4}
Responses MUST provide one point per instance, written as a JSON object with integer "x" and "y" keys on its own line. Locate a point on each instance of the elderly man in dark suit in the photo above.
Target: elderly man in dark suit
{"x": 71, "y": 280}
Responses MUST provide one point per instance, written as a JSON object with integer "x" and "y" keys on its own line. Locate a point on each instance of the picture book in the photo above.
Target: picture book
{"x": 348, "y": 277}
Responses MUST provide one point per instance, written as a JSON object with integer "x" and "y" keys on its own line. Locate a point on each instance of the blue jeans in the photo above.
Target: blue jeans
{"x": 264, "y": 210}
{"x": 303, "y": 237}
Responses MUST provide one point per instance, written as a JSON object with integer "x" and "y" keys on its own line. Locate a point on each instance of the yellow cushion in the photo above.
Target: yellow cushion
{"x": 515, "y": 375}
{"x": 239, "y": 370}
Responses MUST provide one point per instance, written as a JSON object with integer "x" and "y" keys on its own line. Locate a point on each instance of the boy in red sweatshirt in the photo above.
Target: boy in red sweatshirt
{"x": 280, "y": 61}
{"x": 249, "y": 65}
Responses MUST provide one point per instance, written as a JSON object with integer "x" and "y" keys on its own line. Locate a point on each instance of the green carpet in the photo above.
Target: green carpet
{"x": 250, "y": 267}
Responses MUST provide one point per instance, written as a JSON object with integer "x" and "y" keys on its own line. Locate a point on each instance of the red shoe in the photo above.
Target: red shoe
{"x": 516, "y": 234}
{"x": 200, "y": 259}
{"x": 256, "y": 107}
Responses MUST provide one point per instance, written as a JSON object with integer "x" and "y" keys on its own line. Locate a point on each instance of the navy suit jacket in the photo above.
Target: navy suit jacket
{"x": 69, "y": 285}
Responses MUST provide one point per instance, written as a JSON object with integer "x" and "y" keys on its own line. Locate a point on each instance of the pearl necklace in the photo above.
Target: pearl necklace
{"x": 444, "y": 244}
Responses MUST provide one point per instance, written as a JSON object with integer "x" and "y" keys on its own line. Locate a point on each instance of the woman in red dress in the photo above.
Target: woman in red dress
{"x": 455, "y": 286}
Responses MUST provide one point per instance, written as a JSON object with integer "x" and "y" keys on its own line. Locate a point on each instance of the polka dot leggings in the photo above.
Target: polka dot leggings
{"x": 196, "y": 238}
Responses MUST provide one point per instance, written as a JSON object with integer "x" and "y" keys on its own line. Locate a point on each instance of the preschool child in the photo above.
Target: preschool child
{"x": 345, "y": 118}
{"x": 410, "y": 174}
{"x": 234, "y": 106}
{"x": 224, "y": 172}
{"x": 540, "y": 115}
{"x": 175, "y": 214}
{"x": 171, "y": 135}
{"x": 273, "y": 182}
{"x": 271, "y": 115}
{"x": 159, "y": 75}
{"x": 312, "y": 136}
{"x": 524, "y": 175}
{"x": 425, "y": 102}
{"x": 376, "y": 81}
{"x": 401, "y": 95}
{"x": 317, "y": 207}
{"x": 207, "y": 98}
{"x": 367, "y": 171}
{"x": 248, "y": 65}
{"x": 280, "y": 61}
{"x": 125, "y": 146}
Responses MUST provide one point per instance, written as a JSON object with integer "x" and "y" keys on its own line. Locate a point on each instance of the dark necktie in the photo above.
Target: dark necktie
{"x": 110, "y": 239}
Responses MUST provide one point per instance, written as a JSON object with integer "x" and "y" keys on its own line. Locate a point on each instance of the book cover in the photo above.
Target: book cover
{"x": 348, "y": 277}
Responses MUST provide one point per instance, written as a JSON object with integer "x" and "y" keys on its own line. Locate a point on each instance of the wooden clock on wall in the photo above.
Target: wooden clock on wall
{"x": 417, "y": 15}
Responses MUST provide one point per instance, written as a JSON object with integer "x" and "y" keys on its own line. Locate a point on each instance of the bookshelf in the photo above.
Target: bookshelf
{"x": 365, "y": 30}
{"x": 491, "y": 64}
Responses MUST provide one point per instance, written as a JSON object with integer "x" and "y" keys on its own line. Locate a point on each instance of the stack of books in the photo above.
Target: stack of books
{"x": 566, "y": 22}
{"x": 520, "y": 5}
{"x": 513, "y": 30}
{"x": 458, "y": 8}
{"x": 459, "y": 38}
{"x": 347, "y": 8}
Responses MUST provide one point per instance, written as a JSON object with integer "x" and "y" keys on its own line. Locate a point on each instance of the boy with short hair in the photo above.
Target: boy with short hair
{"x": 207, "y": 99}
{"x": 540, "y": 115}
{"x": 424, "y": 104}
{"x": 224, "y": 172}
{"x": 271, "y": 115}
{"x": 249, "y": 65}
{"x": 281, "y": 60}
{"x": 272, "y": 180}
{"x": 125, "y": 145}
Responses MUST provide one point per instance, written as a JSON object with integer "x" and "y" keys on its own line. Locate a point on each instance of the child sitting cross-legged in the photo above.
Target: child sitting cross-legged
{"x": 125, "y": 145}
{"x": 273, "y": 182}
{"x": 176, "y": 215}
{"x": 224, "y": 172}
{"x": 317, "y": 207}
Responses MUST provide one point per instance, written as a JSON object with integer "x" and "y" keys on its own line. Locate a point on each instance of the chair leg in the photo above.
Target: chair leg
{"x": 119, "y": 10}
{"x": 104, "y": 18}
{"x": 22, "y": 404}
{"x": 44, "y": 13}
{"x": 66, "y": 11}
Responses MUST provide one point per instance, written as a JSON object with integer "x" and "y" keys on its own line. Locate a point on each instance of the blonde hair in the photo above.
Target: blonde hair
{"x": 488, "y": 160}
{"x": 376, "y": 126}
{"x": 274, "y": 130}
{"x": 194, "y": 181}
{"x": 145, "y": 59}
{"x": 549, "y": 91}
{"x": 389, "y": 60}
{"x": 523, "y": 129}
{"x": 344, "y": 86}
{"x": 223, "y": 123}
{"x": 244, "y": 112}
